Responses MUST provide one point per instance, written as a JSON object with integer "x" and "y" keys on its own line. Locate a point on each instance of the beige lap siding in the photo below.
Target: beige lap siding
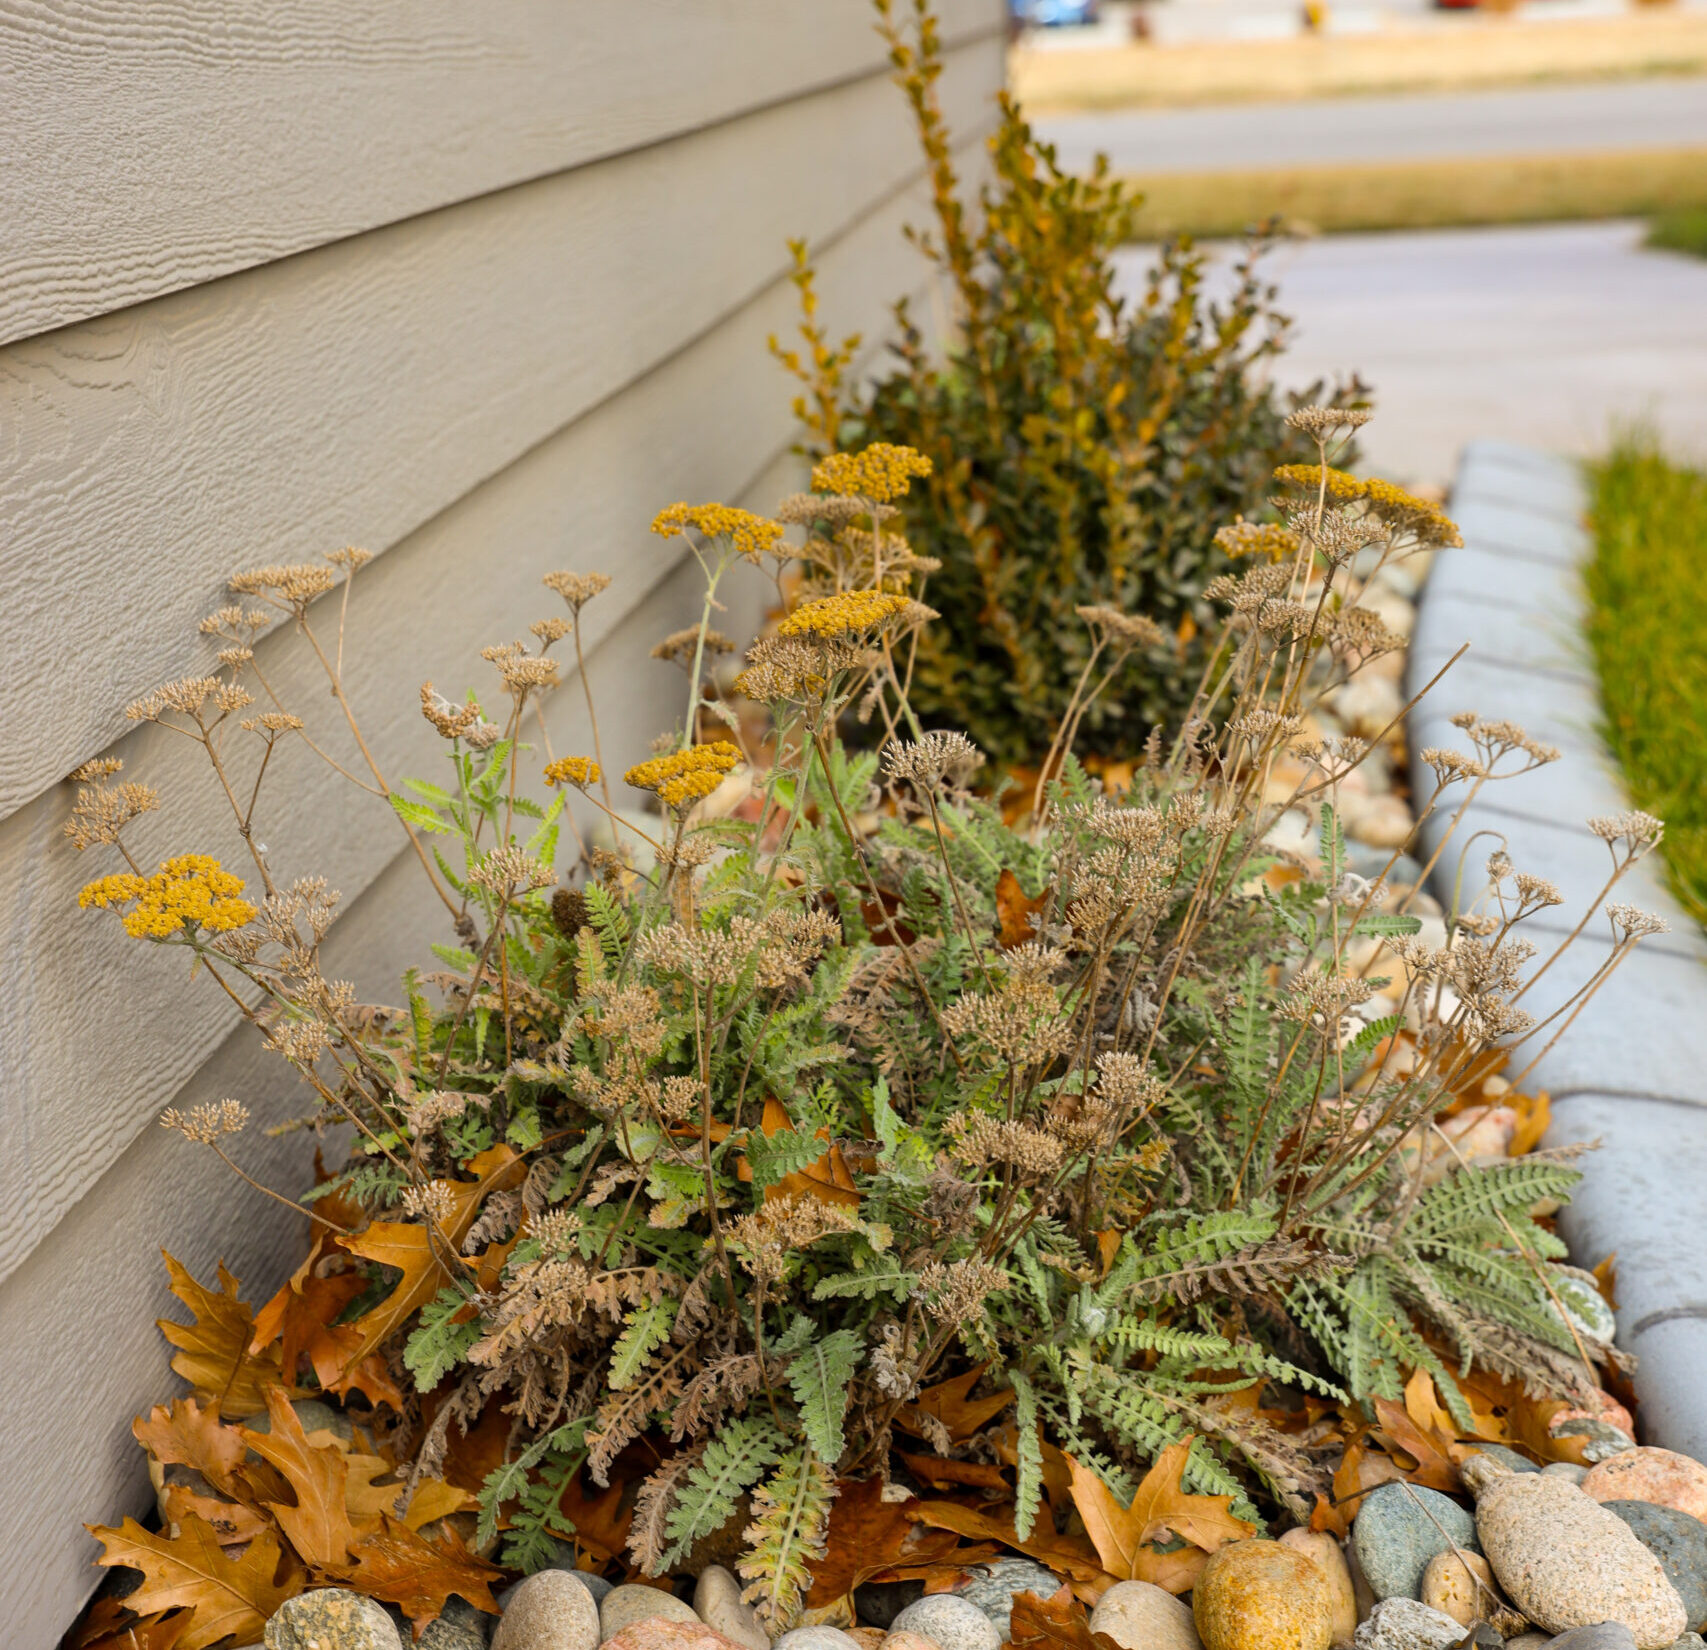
{"x": 568, "y": 331}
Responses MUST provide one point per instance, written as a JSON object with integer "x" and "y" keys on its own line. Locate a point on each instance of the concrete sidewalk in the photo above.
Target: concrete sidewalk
{"x": 1631, "y": 1070}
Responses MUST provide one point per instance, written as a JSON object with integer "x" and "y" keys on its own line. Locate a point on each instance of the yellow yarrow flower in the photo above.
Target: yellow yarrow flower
{"x": 844, "y": 614}
{"x": 685, "y": 776}
{"x": 578, "y": 771}
{"x": 749, "y": 535}
{"x": 1250, "y": 538}
{"x": 881, "y": 472}
{"x": 1341, "y": 488}
{"x": 1406, "y": 511}
{"x": 189, "y": 892}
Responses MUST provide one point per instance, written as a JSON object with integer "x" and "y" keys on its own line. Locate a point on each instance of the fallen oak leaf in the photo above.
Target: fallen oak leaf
{"x": 227, "y": 1597}
{"x": 232, "y": 1521}
{"x": 1014, "y": 910}
{"x": 403, "y": 1567}
{"x": 939, "y": 1470}
{"x": 1432, "y": 1452}
{"x": 434, "y": 1499}
{"x": 1123, "y": 1536}
{"x": 827, "y": 1178}
{"x": 1058, "y": 1622}
{"x": 156, "y": 1632}
{"x": 1066, "y": 1555}
{"x": 422, "y": 1256}
{"x": 865, "y": 1534}
{"x": 319, "y": 1525}
{"x": 213, "y": 1352}
{"x": 186, "y": 1435}
{"x": 948, "y": 1403}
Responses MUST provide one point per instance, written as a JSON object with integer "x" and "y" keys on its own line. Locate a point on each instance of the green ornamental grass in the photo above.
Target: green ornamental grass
{"x": 1647, "y": 587}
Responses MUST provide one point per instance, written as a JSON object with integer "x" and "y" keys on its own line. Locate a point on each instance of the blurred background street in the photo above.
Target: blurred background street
{"x": 1499, "y": 219}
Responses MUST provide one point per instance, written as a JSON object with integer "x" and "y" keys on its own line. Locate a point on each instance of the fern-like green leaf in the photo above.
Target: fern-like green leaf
{"x": 791, "y": 1513}
{"x": 819, "y": 1376}
{"x": 1028, "y": 1485}
{"x": 887, "y": 1278}
{"x": 735, "y": 1459}
{"x": 646, "y": 1329}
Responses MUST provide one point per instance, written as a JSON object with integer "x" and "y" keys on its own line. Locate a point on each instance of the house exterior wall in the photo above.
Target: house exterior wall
{"x": 478, "y": 288}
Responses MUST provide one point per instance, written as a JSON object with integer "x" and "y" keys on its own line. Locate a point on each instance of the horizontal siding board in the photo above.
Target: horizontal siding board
{"x": 152, "y": 148}
{"x": 96, "y": 1033}
{"x": 354, "y": 391}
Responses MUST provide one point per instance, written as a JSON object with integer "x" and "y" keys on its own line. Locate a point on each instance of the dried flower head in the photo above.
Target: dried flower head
{"x": 185, "y": 696}
{"x": 349, "y": 558}
{"x": 508, "y": 871}
{"x": 747, "y": 534}
{"x": 1404, "y": 512}
{"x": 272, "y": 723}
{"x": 940, "y": 754}
{"x": 881, "y": 472}
{"x": 1122, "y": 630}
{"x": 579, "y": 771}
{"x": 832, "y": 511}
{"x": 521, "y": 672}
{"x": 453, "y": 721}
{"x": 1322, "y": 422}
{"x": 680, "y": 646}
{"x": 206, "y": 1123}
{"x": 683, "y": 777}
{"x": 433, "y": 1201}
{"x": 577, "y": 589}
{"x": 1629, "y": 922}
{"x": 291, "y": 586}
{"x": 788, "y": 669}
{"x": 548, "y": 631}
{"x": 956, "y": 1292}
{"x": 101, "y": 811}
{"x": 189, "y": 892}
{"x": 1636, "y": 829}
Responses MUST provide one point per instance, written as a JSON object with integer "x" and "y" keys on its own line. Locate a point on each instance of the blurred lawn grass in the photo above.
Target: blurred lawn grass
{"x": 1682, "y": 230}
{"x": 1647, "y": 628}
{"x": 1428, "y": 194}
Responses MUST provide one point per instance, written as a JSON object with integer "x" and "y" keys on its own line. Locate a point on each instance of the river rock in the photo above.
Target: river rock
{"x": 596, "y": 1585}
{"x": 1517, "y": 1463}
{"x": 1138, "y": 1615}
{"x": 1565, "y": 1561}
{"x": 1259, "y": 1595}
{"x": 817, "y": 1638}
{"x": 1400, "y": 1528}
{"x": 1661, "y": 1476}
{"x": 332, "y": 1619}
{"x": 949, "y": 1621}
{"x": 905, "y": 1641}
{"x": 871, "y": 1638}
{"x": 314, "y": 1415}
{"x": 1464, "y": 1588}
{"x": 625, "y": 1605}
{"x": 718, "y": 1603}
{"x": 1405, "y": 1624}
{"x": 552, "y": 1610}
{"x": 1603, "y": 1635}
{"x": 1567, "y": 1470}
{"x": 1324, "y": 1552}
{"x": 1679, "y": 1542}
{"x": 446, "y": 1634}
{"x": 1529, "y": 1641}
{"x": 877, "y": 1604}
{"x": 661, "y": 1633}
{"x": 1360, "y": 1588}
{"x": 1690, "y": 1641}
{"x": 993, "y": 1587}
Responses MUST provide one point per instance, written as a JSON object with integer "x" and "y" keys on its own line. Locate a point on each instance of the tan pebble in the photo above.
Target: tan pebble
{"x": 1360, "y": 1588}
{"x": 1259, "y": 1595}
{"x": 1324, "y": 1552}
{"x": 1462, "y": 1586}
{"x": 1385, "y": 823}
{"x": 902, "y": 1640}
{"x": 1651, "y": 1474}
{"x": 868, "y": 1638}
{"x": 652, "y": 1633}
{"x": 1138, "y": 1615}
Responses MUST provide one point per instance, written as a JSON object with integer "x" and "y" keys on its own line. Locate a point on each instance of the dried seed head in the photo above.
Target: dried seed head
{"x": 508, "y": 871}
{"x": 293, "y": 586}
{"x": 680, "y": 646}
{"x": 1637, "y": 829}
{"x": 1321, "y": 422}
{"x": 549, "y": 631}
{"x": 205, "y": 1124}
{"x": 1631, "y": 923}
{"x": 452, "y": 721}
{"x": 1122, "y": 630}
{"x": 940, "y": 754}
{"x": 577, "y": 589}
{"x": 350, "y": 558}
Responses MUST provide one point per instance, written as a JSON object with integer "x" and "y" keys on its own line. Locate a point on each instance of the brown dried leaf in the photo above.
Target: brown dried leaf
{"x": 1015, "y": 911}
{"x": 401, "y": 1566}
{"x": 319, "y": 1525}
{"x": 949, "y": 1402}
{"x": 1160, "y": 1508}
{"x": 1055, "y": 1623}
{"x": 866, "y": 1534}
{"x": 157, "y": 1632}
{"x": 1064, "y": 1554}
{"x": 186, "y": 1435}
{"x": 227, "y": 1597}
{"x": 939, "y": 1472}
{"x": 213, "y": 1352}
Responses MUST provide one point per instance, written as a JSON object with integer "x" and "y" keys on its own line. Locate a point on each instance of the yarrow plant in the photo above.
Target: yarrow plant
{"x": 737, "y": 1160}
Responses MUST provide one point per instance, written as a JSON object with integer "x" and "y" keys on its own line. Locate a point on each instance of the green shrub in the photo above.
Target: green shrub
{"x": 1086, "y": 447}
{"x": 1684, "y": 229}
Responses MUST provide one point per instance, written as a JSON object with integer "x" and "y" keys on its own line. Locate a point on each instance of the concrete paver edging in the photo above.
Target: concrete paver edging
{"x": 1631, "y": 1071}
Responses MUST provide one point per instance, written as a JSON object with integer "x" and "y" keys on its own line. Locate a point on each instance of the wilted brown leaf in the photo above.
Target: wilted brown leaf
{"x": 156, "y": 1632}
{"x": 213, "y": 1352}
{"x": 866, "y": 1534}
{"x": 1055, "y": 1623}
{"x": 1326, "y": 1518}
{"x": 1430, "y": 1448}
{"x": 414, "y": 1253}
{"x": 601, "y": 1521}
{"x": 949, "y": 1402}
{"x": 1160, "y": 1508}
{"x": 1066, "y": 1555}
{"x": 227, "y": 1597}
{"x": 1015, "y": 911}
{"x": 186, "y": 1435}
{"x": 231, "y": 1520}
{"x": 401, "y": 1566}
{"x": 940, "y": 1471}
{"x": 319, "y": 1525}
{"x": 827, "y": 1179}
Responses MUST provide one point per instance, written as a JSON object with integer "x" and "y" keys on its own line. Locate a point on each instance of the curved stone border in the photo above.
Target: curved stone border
{"x": 1632, "y": 1069}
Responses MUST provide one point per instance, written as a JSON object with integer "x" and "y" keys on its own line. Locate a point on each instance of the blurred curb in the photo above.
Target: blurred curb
{"x": 1631, "y": 1071}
